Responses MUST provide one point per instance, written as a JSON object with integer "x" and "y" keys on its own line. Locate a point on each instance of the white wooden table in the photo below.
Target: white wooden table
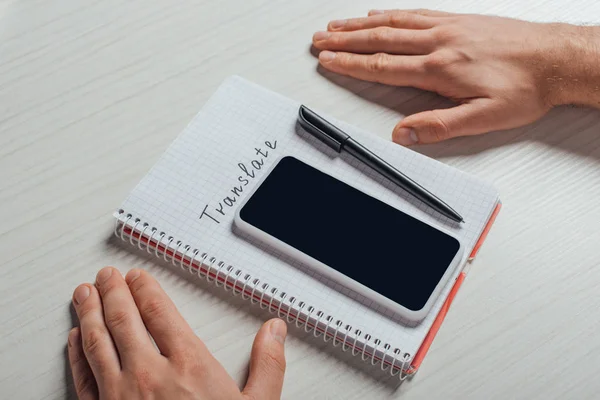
{"x": 91, "y": 92}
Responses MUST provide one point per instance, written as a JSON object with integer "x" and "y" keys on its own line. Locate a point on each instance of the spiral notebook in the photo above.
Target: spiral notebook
{"x": 183, "y": 209}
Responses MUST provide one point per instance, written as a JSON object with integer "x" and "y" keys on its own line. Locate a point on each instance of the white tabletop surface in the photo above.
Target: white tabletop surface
{"x": 91, "y": 93}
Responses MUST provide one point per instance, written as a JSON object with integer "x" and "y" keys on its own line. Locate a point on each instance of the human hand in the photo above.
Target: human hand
{"x": 112, "y": 355}
{"x": 503, "y": 72}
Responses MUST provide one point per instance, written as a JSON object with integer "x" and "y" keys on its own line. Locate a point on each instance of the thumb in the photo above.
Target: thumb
{"x": 267, "y": 362}
{"x": 437, "y": 125}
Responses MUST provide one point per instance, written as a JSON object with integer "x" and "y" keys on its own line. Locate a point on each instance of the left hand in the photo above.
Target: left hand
{"x": 112, "y": 355}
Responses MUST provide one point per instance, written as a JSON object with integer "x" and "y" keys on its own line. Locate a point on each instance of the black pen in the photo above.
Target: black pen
{"x": 338, "y": 140}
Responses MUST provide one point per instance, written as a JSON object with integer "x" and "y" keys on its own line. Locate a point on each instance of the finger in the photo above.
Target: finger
{"x": 122, "y": 316}
{"x": 420, "y": 11}
{"x": 380, "y": 67}
{"x": 396, "y": 19}
{"x": 376, "y": 40}
{"x": 267, "y": 362}
{"x": 97, "y": 344}
{"x": 437, "y": 125}
{"x": 170, "y": 331}
{"x": 83, "y": 378}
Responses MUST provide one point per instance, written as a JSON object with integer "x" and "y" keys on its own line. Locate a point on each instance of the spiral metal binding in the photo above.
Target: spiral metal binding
{"x": 269, "y": 298}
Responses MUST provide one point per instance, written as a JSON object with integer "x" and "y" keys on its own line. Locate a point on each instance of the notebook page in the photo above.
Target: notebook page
{"x": 193, "y": 190}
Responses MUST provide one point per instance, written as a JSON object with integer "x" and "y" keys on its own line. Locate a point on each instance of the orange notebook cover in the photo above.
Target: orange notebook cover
{"x": 444, "y": 311}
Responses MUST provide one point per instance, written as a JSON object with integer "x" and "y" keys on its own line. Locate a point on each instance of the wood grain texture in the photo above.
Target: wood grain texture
{"x": 91, "y": 92}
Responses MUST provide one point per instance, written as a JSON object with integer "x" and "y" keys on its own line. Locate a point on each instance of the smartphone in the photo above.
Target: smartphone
{"x": 358, "y": 241}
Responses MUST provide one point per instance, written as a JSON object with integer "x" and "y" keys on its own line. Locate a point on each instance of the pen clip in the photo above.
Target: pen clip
{"x": 322, "y": 129}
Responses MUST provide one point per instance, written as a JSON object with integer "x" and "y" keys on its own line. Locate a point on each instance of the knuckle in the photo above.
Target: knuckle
{"x": 117, "y": 319}
{"x": 77, "y": 357}
{"x": 439, "y": 61}
{"x": 422, "y": 12}
{"x": 84, "y": 384}
{"x": 92, "y": 343}
{"x": 434, "y": 62}
{"x": 396, "y": 18}
{"x": 438, "y": 128}
{"x": 189, "y": 362}
{"x": 106, "y": 287}
{"x": 378, "y": 63}
{"x": 338, "y": 39}
{"x": 139, "y": 284}
{"x": 378, "y": 35}
{"x": 273, "y": 362}
{"x": 446, "y": 34}
{"x": 343, "y": 60}
{"x": 86, "y": 309}
{"x": 154, "y": 308}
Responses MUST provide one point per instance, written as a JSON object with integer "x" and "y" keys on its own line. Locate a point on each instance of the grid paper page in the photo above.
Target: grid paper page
{"x": 193, "y": 190}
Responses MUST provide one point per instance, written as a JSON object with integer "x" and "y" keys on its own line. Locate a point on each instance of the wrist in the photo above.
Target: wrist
{"x": 572, "y": 72}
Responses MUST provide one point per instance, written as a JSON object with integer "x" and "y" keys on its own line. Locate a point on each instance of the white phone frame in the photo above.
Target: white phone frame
{"x": 321, "y": 268}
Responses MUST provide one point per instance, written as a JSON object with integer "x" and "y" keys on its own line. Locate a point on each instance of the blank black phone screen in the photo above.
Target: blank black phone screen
{"x": 358, "y": 235}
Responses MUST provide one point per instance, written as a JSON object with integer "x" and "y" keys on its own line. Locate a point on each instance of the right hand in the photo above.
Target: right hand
{"x": 503, "y": 72}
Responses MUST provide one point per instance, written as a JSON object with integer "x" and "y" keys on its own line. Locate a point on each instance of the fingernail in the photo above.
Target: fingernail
{"x": 405, "y": 136}
{"x": 73, "y": 337}
{"x": 81, "y": 293}
{"x": 321, "y": 36}
{"x": 132, "y": 275}
{"x": 278, "y": 330}
{"x": 338, "y": 23}
{"x": 327, "y": 56}
{"x": 103, "y": 275}
{"x": 374, "y": 12}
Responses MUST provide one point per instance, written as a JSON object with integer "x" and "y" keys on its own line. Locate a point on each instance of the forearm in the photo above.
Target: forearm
{"x": 573, "y": 75}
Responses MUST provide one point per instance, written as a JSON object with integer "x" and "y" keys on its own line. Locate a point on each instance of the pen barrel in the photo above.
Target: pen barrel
{"x": 387, "y": 170}
{"x": 378, "y": 164}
